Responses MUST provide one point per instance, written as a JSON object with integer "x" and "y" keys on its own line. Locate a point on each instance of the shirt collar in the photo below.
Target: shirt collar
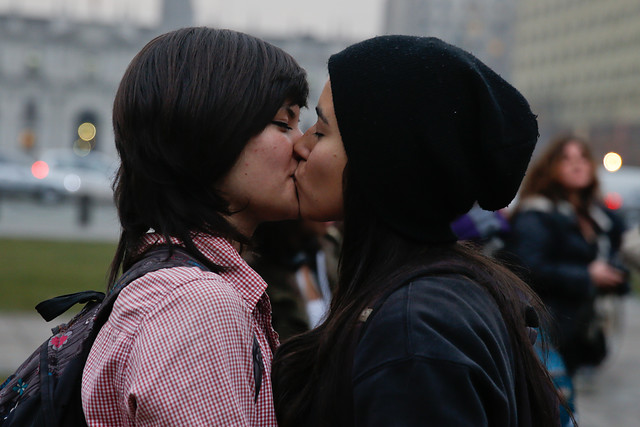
{"x": 221, "y": 252}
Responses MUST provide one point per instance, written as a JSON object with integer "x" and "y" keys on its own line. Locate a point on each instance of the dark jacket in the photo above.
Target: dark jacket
{"x": 437, "y": 353}
{"x": 547, "y": 243}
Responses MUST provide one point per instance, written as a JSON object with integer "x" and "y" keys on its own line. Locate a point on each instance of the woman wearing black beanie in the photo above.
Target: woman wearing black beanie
{"x": 411, "y": 132}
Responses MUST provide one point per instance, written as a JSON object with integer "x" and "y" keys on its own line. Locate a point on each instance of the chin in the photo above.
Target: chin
{"x": 286, "y": 214}
{"x": 278, "y": 212}
{"x": 320, "y": 214}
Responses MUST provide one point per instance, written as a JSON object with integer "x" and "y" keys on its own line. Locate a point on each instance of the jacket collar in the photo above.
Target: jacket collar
{"x": 543, "y": 204}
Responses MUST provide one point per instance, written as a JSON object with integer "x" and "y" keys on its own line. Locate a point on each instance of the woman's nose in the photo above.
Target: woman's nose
{"x": 297, "y": 135}
{"x": 303, "y": 146}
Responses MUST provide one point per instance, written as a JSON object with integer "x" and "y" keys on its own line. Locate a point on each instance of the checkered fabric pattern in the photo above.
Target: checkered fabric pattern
{"x": 177, "y": 349}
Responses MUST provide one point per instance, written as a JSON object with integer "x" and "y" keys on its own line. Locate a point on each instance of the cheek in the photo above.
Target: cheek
{"x": 563, "y": 173}
{"x": 272, "y": 159}
{"x": 321, "y": 195}
{"x": 325, "y": 174}
{"x": 321, "y": 168}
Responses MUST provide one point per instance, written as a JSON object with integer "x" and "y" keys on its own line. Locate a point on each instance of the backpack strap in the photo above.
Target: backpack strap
{"x": 153, "y": 260}
{"x": 258, "y": 366}
{"x": 54, "y": 307}
{"x": 46, "y": 390}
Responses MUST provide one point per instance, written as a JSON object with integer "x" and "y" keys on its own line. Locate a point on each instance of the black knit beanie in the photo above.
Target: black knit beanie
{"x": 428, "y": 130}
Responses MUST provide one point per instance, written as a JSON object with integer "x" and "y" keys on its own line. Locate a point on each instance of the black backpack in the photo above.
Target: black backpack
{"x": 45, "y": 389}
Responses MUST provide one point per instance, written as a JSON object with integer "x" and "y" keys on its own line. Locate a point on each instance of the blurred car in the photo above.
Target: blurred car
{"x": 621, "y": 192}
{"x": 73, "y": 175}
{"x": 16, "y": 178}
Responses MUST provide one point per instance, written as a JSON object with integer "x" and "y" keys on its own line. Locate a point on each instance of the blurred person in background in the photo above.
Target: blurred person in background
{"x": 630, "y": 248}
{"x": 422, "y": 329}
{"x": 205, "y": 121}
{"x": 299, "y": 261}
{"x": 488, "y": 230}
{"x": 567, "y": 243}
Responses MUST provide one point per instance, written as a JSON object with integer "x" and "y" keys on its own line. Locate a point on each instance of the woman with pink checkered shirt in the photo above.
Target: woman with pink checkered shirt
{"x": 205, "y": 121}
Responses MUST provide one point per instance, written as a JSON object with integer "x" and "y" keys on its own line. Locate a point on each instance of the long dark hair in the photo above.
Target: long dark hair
{"x": 186, "y": 107}
{"x": 311, "y": 371}
{"x": 542, "y": 176}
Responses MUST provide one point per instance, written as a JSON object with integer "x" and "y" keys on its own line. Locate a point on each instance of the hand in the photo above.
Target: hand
{"x": 605, "y": 276}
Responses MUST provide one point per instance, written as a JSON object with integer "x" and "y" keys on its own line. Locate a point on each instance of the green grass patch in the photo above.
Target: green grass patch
{"x": 32, "y": 271}
{"x": 635, "y": 282}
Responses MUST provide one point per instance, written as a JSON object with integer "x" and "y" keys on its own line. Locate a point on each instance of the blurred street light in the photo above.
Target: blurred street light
{"x": 612, "y": 161}
{"x": 40, "y": 169}
{"x": 86, "y": 131}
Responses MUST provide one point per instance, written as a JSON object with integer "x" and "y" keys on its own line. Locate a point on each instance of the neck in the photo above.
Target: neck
{"x": 236, "y": 245}
{"x": 574, "y": 198}
{"x": 246, "y": 226}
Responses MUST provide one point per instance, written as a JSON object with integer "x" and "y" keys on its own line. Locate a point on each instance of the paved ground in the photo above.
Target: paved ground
{"x": 611, "y": 396}
{"x": 27, "y": 219}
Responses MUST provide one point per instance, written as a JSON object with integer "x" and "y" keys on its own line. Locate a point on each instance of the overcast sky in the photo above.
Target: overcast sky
{"x": 323, "y": 18}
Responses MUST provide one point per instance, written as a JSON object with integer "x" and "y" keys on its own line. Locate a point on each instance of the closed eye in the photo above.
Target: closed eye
{"x": 282, "y": 125}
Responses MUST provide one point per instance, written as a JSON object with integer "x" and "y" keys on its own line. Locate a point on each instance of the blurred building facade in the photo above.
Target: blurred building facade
{"x": 578, "y": 63}
{"x": 57, "y": 73}
{"x": 482, "y": 27}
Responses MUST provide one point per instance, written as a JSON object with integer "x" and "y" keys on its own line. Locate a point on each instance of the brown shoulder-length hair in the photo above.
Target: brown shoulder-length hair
{"x": 542, "y": 177}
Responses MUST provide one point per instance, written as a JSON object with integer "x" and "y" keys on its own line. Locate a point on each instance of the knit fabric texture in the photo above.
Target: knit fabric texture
{"x": 429, "y": 129}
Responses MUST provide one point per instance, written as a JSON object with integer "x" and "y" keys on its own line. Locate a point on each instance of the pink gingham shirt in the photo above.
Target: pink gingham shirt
{"x": 177, "y": 349}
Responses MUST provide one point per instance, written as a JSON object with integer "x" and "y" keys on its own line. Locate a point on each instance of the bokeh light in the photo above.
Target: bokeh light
{"x": 613, "y": 200}
{"x": 81, "y": 147}
{"x": 40, "y": 169}
{"x": 86, "y": 131}
{"x": 72, "y": 182}
{"x": 612, "y": 161}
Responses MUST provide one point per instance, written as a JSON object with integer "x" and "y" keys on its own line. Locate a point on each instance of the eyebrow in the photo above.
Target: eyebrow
{"x": 321, "y": 115}
{"x": 290, "y": 112}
